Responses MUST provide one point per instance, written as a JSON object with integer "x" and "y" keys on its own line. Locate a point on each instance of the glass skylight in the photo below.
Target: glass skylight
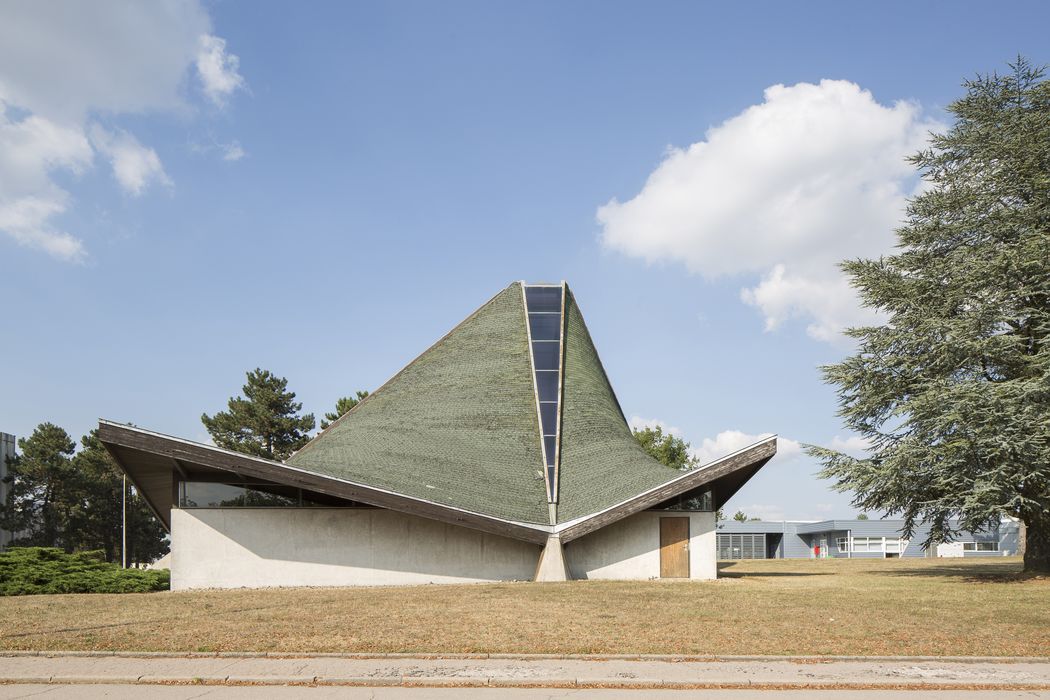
{"x": 544, "y": 306}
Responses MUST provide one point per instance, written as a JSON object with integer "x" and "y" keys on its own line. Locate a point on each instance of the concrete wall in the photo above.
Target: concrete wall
{"x": 261, "y": 547}
{"x": 264, "y": 547}
{"x": 630, "y": 548}
{"x": 7, "y": 451}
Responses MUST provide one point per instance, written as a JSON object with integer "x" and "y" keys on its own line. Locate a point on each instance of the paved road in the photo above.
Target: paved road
{"x": 167, "y": 692}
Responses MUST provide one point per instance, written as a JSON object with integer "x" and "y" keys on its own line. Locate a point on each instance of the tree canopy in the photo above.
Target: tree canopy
{"x": 667, "y": 449}
{"x": 265, "y": 422}
{"x": 342, "y": 406}
{"x": 73, "y": 501}
{"x": 953, "y": 389}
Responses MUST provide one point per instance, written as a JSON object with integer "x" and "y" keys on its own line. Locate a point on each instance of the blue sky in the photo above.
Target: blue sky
{"x": 190, "y": 191}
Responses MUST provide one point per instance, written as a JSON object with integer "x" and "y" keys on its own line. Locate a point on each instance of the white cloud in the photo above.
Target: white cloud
{"x": 639, "y": 423}
{"x": 217, "y": 69}
{"x": 114, "y": 56}
{"x": 827, "y": 299}
{"x": 786, "y": 189}
{"x": 232, "y": 151}
{"x": 722, "y": 444}
{"x": 60, "y": 66}
{"x": 729, "y": 441}
{"x": 134, "y": 165}
{"x": 31, "y": 149}
{"x": 854, "y": 445}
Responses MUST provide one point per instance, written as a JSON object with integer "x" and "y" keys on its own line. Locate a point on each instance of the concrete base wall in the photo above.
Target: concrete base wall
{"x": 630, "y": 549}
{"x": 268, "y": 547}
{"x": 263, "y": 547}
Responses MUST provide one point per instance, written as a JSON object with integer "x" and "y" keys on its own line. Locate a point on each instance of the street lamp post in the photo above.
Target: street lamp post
{"x": 124, "y": 521}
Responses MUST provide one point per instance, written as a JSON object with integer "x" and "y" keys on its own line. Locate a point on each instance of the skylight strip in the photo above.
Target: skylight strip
{"x": 536, "y": 392}
{"x": 548, "y": 409}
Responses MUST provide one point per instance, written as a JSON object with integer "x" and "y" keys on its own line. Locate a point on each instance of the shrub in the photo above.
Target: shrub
{"x": 34, "y": 570}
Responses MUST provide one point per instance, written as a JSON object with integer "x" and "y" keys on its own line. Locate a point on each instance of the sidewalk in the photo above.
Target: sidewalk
{"x": 525, "y": 672}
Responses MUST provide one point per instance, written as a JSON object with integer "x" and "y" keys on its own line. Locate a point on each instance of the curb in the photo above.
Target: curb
{"x": 405, "y": 682}
{"x": 670, "y": 658}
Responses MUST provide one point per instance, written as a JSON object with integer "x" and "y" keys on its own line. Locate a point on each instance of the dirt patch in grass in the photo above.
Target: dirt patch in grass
{"x": 821, "y": 607}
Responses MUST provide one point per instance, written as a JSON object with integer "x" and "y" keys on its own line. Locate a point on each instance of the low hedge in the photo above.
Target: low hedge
{"x": 35, "y": 570}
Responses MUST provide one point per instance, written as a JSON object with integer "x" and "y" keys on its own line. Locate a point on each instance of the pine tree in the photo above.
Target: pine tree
{"x": 265, "y": 423}
{"x": 41, "y": 503}
{"x": 73, "y": 502}
{"x": 342, "y": 406}
{"x": 100, "y": 483}
{"x": 953, "y": 390}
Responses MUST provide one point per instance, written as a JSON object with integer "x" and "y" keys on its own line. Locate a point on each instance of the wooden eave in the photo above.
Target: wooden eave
{"x": 725, "y": 475}
{"x": 139, "y": 452}
{"x": 151, "y": 460}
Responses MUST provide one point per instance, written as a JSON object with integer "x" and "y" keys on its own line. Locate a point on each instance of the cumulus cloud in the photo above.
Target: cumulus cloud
{"x": 134, "y": 165}
{"x": 854, "y": 445}
{"x": 722, "y": 444}
{"x": 729, "y": 441}
{"x": 782, "y": 191}
{"x": 640, "y": 423}
{"x": 59, "y": 68}
{"x": 232, "y": 151}
{"x": 31, "y": 149}
{"x": 217, "y": 69}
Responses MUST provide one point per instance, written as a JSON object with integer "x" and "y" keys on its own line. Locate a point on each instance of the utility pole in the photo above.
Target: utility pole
{"x": 124, "y": 521}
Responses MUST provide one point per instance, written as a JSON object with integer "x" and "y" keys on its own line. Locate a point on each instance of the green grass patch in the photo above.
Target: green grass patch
{"x": 36, "y": 570}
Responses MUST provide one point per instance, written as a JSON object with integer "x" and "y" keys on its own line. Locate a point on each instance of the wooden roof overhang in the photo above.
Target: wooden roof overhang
{"x": 155, "y": 463}
{"x": 724, "y": 476}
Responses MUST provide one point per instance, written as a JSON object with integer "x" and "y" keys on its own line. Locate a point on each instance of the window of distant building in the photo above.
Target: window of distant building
{"x": 980, "y": 546}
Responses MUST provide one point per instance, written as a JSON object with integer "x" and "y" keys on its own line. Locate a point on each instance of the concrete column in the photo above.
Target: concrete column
{"x": 551, "y": 566}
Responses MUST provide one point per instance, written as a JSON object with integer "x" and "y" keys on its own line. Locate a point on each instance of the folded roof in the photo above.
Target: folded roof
{"x": 459, "y": 430}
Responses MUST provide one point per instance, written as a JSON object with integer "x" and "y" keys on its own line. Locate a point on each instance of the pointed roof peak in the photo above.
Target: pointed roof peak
{"x": 463, "y": 434}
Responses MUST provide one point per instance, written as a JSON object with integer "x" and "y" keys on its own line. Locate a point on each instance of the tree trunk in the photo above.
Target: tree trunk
{"x": 1037, "y": 543}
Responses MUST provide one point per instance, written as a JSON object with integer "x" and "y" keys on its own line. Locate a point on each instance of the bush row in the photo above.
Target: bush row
{"x": 34, "y": 570}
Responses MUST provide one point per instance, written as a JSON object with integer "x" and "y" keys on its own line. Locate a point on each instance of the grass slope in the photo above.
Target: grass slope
{"x": 865, "y": 607}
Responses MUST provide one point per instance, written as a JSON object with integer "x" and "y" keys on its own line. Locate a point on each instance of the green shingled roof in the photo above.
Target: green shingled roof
{"x": 602, "y": 463}
{"x": 458, "y": 426}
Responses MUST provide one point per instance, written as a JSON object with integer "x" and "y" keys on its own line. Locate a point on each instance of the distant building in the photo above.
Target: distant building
{"x": 852, "y": 539}
{"x": 7, "y": 451}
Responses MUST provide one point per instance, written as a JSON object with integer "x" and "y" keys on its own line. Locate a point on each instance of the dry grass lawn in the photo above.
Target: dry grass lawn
{"x": 921, "y": 607}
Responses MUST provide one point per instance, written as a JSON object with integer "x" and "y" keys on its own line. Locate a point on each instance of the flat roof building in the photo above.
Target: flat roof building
{"x": 499, "y": 453}
{"x": 859, "y": 539}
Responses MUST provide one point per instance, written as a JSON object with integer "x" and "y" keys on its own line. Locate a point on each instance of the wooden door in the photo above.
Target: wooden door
{"x": 674, "y": 547}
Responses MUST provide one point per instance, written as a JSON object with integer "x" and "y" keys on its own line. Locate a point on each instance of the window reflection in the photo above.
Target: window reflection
{"x": 210, "y": 494}
{"x": 545, "y": 326}
{"x": 543, "y": 299}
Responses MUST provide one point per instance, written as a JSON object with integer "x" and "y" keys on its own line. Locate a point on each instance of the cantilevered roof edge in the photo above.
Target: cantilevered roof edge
{"x": 134, "y": 438}
{"x": 752, "y": 456}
